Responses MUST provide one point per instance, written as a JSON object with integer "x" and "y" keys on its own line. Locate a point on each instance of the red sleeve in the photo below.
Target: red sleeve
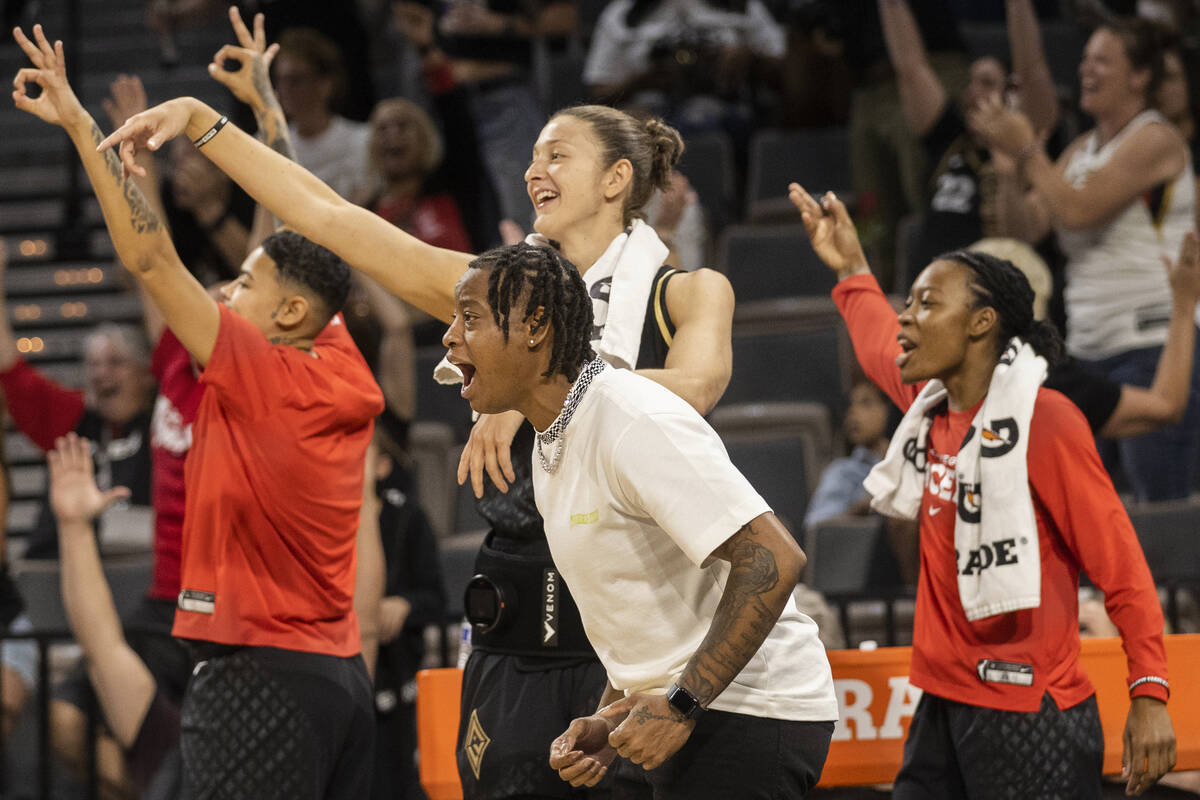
{"x": 41, "y": 409}
{"x": 1072, "y": 485}
{"x": 873, "y": 328}
{"x": 177, "y": 378}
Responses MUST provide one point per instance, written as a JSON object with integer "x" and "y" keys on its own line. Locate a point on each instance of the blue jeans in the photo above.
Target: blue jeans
{"x": 1160, "y": 465}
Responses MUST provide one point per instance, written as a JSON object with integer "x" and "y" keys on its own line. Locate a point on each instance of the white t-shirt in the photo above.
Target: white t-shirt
{"x": 619, "y": 52}
{"x": 338, "y": 155}
{"x": 642, "y": 495}
{"x": 1117, "y": 294}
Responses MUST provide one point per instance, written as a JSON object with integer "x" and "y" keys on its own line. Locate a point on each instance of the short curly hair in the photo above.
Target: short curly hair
{"x": 311, "y": 268}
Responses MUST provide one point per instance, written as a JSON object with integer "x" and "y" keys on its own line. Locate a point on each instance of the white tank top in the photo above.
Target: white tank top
{"x": 1117, "y": 294}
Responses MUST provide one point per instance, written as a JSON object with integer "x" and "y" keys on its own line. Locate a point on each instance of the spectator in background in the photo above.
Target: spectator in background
{"x": 413, "y": 599}
{"x": 868, "y": 427}
{"x": 143, "y": 717}
{"x": 676, "y": 214}
{"x": 1179, "y": 100}
{"x": 889, "y": 168}
{"x": 18, "y": 659}
{"x": 962, "y": 205}
{"x": 310, "y": 80}
{"x": 209, "y": 216}
{"x": 691, "y": 62}
{"x": 404, "y": 149}
{"x": 487, "y": 48}
{"x": 1121, "y": 198}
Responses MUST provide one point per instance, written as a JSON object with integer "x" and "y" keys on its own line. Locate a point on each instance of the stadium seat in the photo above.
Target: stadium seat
{"x": 769, "y": 262}
{"x": 709, "y": 166}
{"x": 1168, "y": 532}
{"x": 781, "y": 448}
{"x": 817, "y": 159}
{"x": 39, "y": 584}
{"x": 805, "y": 364}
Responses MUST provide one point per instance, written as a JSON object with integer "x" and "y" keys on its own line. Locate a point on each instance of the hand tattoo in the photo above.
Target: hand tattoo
{"x": 642, "y": 715}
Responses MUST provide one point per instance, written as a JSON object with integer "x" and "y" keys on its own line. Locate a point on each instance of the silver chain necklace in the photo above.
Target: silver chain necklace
{"x": 554, "y": 434}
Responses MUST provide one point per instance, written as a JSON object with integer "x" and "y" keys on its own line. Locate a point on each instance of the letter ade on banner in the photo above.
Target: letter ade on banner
{"x": 876, "y": 704}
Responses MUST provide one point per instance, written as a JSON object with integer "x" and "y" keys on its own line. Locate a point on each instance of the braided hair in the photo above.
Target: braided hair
{"x": 997, "y": 283}
{"x": 551, "y": 283}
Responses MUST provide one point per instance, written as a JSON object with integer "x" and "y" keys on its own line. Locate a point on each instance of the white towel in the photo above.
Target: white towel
{"x": 995, "y": 531}
{"x": 619, "y": 284}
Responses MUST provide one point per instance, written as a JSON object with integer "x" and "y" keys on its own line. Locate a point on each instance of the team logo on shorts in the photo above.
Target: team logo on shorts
{"x": 476, "y": 742}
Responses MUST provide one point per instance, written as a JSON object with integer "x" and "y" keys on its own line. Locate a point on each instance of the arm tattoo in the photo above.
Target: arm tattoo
{"x": 141, "y": 216}
{"x": 272, "y": 124}
{"x": 748, "y": 610}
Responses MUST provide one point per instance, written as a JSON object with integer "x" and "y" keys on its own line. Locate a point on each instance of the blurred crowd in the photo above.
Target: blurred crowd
{"x": 424, "y": 113}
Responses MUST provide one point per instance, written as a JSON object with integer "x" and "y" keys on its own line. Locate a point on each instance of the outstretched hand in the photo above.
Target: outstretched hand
{"x": 74, "y": 496}
{"x": 1184, "y": 273}
{"x": 126, "y": 97}
{"x": 57, "y": 103}
{"x": 250, "y": 82}
{"x": 148, "y": 130}
{"x": 830, "y": 231}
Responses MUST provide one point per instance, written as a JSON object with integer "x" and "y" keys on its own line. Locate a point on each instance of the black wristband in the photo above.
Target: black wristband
{"x": 211, "y": 132}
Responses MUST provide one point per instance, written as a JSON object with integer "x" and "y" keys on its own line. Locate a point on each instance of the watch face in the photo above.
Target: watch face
{"x": 683, "y": 701}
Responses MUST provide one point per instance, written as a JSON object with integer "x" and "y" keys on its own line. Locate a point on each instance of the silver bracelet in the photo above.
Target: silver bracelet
{"x": 1151, "y": 679}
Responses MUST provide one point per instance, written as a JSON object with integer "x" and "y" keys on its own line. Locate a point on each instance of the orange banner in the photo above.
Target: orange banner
{"x": 876, "y": 704}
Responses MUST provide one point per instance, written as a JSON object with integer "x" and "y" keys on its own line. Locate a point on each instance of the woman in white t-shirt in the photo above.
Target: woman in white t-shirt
{"x": 1121, "y": 199}
{"x": 682, "y": 575}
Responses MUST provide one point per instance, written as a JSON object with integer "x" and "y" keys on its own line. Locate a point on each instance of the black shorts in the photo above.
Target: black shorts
{"x": 958, "y": 751}
{"x": 266, "y": 723}
{"x": 739, "y": 756}
{"x": 512, "y": 708}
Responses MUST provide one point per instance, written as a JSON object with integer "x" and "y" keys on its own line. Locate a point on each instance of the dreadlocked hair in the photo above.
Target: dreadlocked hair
{"x": 549, "y": 282}
{"x": 997, "y": 283}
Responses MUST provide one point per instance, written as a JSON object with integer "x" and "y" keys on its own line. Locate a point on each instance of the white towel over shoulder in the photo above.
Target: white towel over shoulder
{"x": 995, "y": 530}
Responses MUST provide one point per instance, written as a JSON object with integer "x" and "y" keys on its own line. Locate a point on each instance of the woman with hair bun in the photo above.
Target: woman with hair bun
{"x": 593, "y": 169}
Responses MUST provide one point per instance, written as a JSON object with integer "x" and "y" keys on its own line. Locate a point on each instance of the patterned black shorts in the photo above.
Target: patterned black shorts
{"x": 957, "y": 751}
{"x": 264, "y": 723}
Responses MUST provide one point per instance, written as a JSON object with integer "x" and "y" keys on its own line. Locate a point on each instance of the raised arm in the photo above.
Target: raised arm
{"x": 127, "y": 96}
{"x": 766, "y": 564}
{"x": 421, "y": 274}
{"x": 250, "y": 82}
{"x": 700, "y": 359}
{"x": 1143, "y": 410}
{"x": 1152, "y": 155}
{"x": 1035, "y": 85}
{"x": 922, "y": 96}
{"x": 138, "y": 235}
{"x": 123, "y": 683}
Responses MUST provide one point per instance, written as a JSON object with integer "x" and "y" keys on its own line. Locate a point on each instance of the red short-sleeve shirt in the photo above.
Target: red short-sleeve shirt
{"x": 274, "y": 486}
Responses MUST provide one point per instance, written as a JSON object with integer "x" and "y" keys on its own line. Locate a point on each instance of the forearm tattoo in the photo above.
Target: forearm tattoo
{"x": 141, "y": 216}
{"x": 748, "y": 610}
{"x": 272, "y": 124}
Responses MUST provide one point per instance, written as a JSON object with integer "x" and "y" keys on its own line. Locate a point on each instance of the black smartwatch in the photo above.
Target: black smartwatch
{"x": 684, "y": 701}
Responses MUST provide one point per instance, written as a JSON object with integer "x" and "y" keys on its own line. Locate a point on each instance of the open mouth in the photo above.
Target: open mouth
{"x": 543, "y": 197}
{"x": 468, "y": 373}
{"x": 907, "y": 346}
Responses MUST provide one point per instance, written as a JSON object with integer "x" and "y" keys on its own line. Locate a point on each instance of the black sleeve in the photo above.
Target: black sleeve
{"x": 949, "y": 126}
{"x": 157, "y": 737}
{"x": 1096, "y": 395}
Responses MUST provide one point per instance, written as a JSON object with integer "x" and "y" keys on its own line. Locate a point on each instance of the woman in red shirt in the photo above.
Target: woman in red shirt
{"x": 1007, "y": 711}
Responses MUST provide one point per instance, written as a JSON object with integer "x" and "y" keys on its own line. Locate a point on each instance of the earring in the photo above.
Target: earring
{"x": 531, "y": 342}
